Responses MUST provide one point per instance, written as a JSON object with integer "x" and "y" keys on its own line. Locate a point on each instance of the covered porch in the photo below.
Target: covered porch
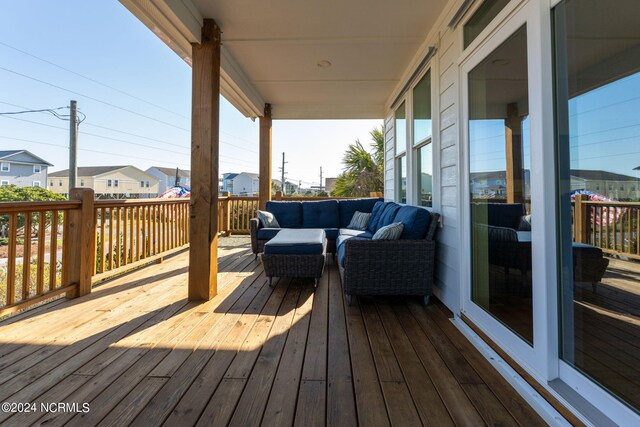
{"x": 136, "y": 350}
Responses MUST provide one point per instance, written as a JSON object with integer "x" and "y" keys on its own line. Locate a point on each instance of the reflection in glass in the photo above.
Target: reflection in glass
{"x": 597, "y": 73}
{"x": 425, "y": 178}
{"x": 481, "y": 18}
{"x": 422, "y": 109}
{"x": 401, "y": 129}
{"x": 500, "y": 185}
{"x": 401, "y": 163}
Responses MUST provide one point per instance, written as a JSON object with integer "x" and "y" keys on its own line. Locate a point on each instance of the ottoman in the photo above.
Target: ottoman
{"x": 295, "y": 253}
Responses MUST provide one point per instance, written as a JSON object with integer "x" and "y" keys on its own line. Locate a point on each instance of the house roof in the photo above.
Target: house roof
{"x": 8, "y": 153}
{"x": 182, "y": 173}
{"x": 250, "y": 175}
{"x": 87, "y": 171}
{"x": 323, "y": 59}
{"x": 230, "y": 175}
{"x": 598, "y": 175}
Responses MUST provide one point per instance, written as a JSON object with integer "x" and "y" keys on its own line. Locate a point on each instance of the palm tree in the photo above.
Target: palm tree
{"x": 364, "y": 170}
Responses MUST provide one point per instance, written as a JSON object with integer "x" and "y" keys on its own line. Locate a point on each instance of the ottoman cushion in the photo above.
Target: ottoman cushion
{"x": 296, "y": 242}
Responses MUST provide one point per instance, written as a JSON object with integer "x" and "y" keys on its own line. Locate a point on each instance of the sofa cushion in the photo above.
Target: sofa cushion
{"x": 267, "y": 233}
{"x": 504, "y": 214}
{"x": 320, "y": 214}
{"x": 296, "y": 242}
{"x": 359, "y": 221}
{"x": 389, "y": 232}
{"x": 288, "y": 214}
{"x": 267, "y": 219}
{"x": 388, "y": 214}
{"x": 340, "y": 245}
{"x": 332, "y": 233}
{"x": 360, "y": 233}
{"x": 376, "y": 212}
{"x": 415, "y": 220}
{"x": 349, "y": 207}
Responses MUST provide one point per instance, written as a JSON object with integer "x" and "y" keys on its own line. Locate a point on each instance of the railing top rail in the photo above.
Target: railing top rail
{"x": 138, "y": 202}
{"x": 615, "y": 204}
{"x": 11, "y": 207}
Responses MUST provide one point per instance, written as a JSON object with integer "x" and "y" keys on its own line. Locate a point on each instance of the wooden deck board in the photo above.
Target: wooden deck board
{"x": 139, "y": 353}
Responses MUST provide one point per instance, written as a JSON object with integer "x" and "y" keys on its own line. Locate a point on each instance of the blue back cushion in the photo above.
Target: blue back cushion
{"x": 288, "y": 214}
{"x": 372, "y": 227}
{"x": 350, "y": 206}
{"x": 504, "y": 214}
{"x": 321, "y": 214}
{"x": 388, "y": 214}
{"x": 416, "y": 221}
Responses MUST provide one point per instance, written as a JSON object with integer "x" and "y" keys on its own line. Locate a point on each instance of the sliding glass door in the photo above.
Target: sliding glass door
{"x": 597, "y": 80}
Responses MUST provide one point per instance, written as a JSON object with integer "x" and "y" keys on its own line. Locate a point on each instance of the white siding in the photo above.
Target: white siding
{"x": 447, "y": 257}
{"x": 389, "y": 157}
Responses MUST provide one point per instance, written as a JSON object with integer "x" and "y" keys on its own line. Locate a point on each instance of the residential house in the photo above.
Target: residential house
{"x": 108, "y": 182}
{"x": 290, "y": 187}
{"x": 465, "y": 87}
{"x": 22, "y": 168}
{"x": 167, "y": 177}
{"x": 329, "y": 184}
{"x": 241, "y": 184}
{"x": 615, "y": 186}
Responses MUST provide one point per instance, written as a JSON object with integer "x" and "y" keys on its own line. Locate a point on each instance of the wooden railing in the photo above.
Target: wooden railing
{"x": 612, "y": 226}
{"x": 137, "y": 231}
{"x": 43, "y": 240}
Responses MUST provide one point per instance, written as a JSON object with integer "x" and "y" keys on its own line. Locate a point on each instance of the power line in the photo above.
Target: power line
{"x": 94, "y": 80}
{"x": 95, "y": 99}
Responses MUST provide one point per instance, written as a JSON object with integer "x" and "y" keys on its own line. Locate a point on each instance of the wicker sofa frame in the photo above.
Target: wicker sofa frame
{"x": 390, "y": 267}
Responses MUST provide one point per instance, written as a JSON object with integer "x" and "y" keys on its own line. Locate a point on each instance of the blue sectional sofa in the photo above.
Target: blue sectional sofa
{"x": 367, "y": 266}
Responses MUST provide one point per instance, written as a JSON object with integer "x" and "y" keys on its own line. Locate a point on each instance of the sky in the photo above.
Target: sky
{"x": 136, "y": 95}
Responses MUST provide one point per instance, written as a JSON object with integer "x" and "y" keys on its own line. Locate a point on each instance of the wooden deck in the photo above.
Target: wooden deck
{"x": 138, "y": 352}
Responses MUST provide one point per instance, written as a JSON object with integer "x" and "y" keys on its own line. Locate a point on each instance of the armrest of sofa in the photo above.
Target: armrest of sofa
{"x": 389, "y": 266}
{"x": 254, "y": 226}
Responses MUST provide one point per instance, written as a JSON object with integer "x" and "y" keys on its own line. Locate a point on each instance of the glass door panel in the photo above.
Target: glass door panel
{"x": 500, "y": 193}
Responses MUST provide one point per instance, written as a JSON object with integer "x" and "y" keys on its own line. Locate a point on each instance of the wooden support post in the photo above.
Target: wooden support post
{"x": 513, "y": 140}
{"x": 205, "y": 128}
{"x": 81, "y": 246}
{"x": 580, "y": 220}
{"x": 278, "y": 195}
{"x": 265, "y": 157}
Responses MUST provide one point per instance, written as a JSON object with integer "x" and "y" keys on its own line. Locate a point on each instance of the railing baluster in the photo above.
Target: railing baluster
{"x": 53, "y": 250}
{"x": 11, "y": 266}
{"x": 26, "y": 257}
{"x": 65, "y": 240}
{"x": 41, "y": 243}
{"x": 117, "y": 251}
{"x": 138, "y": 233}
{"x": 103, "y": 252}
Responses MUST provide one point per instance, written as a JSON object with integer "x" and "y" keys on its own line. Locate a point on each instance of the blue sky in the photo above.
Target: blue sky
{"x": 141, "y": 116}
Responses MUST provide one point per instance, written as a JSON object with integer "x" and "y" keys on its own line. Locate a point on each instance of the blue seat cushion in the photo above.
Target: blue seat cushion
{"x": 267, "y": 233}
{"x": 349, "y": 207}
{"x": 341, "y": 246}
{"x": 415, "y": 220}
{"x": 296, "y": 242}
{"x": 288, "y": 214}
{"x": 359, "y": 233}
{"x": 388, "y": 214}
{"x": 320, "y": 214}
{"x": 504, "y": 214}
{"x": 376, "y": 212}
{"x": 332, "y": 233}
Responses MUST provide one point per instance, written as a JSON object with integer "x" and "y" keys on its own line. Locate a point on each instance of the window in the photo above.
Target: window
{"x": 37, "y": 168}
{"x": 36, "y": 184}
{"x": 423, "y": 176}
{"x": 4, "y": 182}
{"x": 115, "y": 182}
{"x": 141, "y": 184}
{"x": 5, "y": 167}
{"x": 147, "y": 184}
{"x": 82, "y": 183}
{"x": 108, "y": 183}
{"x": 401, "y": 178}
{"x": 401, "y": 129}
{"x": 60, "y": 183}
{"x": 51, "y": 183}
{"x": 481, "y": 19}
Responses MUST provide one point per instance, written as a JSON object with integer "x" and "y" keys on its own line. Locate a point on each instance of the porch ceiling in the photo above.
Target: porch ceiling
{"x": 271, "y": 50}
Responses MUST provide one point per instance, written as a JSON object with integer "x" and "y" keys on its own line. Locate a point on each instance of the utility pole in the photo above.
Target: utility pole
{"x": 73, "y": 145}
{"x": 321, "y": 186}
{"x": 177, "y": 180}
{"x": 284, "y": 192}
